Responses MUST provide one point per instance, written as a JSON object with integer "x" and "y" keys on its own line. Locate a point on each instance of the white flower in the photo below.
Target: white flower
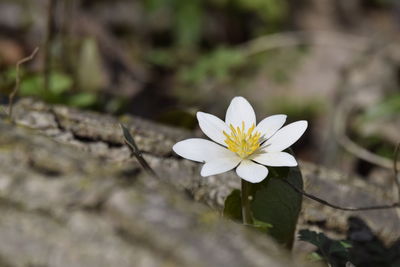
{"x": 239, "y": 142}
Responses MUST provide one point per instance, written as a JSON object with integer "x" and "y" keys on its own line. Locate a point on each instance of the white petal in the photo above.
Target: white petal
{"x": 251, "y": 172}
{"x": 240, "y": 111}
{"x": 213, "y": 127}
{"x": 276, "y": 159}
{"x": 219, "y": 165}
{"x": 201, "y": 150}
{"x": 286, "y": 136}
{"x": 268, "y": 126}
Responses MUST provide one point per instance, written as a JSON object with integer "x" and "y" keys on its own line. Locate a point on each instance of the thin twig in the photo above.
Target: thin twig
{"x": 18, "y": 80}
{"x": 136, "y": 152}
{"x": 326, "y": 203}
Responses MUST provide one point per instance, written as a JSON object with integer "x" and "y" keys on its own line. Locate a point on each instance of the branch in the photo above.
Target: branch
{"x": 326, "y": 203}
{"x": 378, "y": 207}
{"x": 18, "y": 81}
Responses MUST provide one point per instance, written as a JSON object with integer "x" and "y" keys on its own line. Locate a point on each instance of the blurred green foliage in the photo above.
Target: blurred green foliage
{"x": 216, "y": 66}
{"x": 60, "y": 89}
{"x": 162, "y": 57}
{"x": 196, "y": 58}
{"x": 387, "y": 108}
{"x": 187, "y": 17}
{"x": 214, "y": 69}
{"x": 280, "y": 64}
{"x": 273, "y": 12}
{"x": 377, "y": 144}
{"x": 233, "y": 67}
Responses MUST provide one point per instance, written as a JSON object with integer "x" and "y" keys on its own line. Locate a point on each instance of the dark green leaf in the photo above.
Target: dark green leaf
{"x": 278, "y": 204}
{"x": 233, "y": 206}
{"x": 335, "y": 252}
{"x": 317, "y": 239}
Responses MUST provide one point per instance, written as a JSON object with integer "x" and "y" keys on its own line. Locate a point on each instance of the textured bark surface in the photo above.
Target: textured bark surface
{"x": 71, "y": 196}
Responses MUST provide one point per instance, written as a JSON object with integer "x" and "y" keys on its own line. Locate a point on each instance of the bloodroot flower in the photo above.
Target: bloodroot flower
{"x": 238, "y": 142}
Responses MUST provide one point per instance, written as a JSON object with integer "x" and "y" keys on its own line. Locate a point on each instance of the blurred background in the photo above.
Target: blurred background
{"x": 335, "y": 63}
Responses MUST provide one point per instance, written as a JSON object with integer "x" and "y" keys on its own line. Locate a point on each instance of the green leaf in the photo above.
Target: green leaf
{"x": 263, "y": 226}
{"x": 233, "y": 206}
{"x": 275, "y": 206}
{"x": 314, "y": 256}
{"x": 317, "y": 239}
{"x": 33, "y": 85}
{"x": 345, "y": 244}
{"x": 233, "y": 211}
{"x": 82, "y": 100}
{"x": 324, "y": 243}
{"x": 60, "y": 83}
{"x": 337, "y": 247}
{"x": 334, "y": 252}
{"x": 278, "y": 204}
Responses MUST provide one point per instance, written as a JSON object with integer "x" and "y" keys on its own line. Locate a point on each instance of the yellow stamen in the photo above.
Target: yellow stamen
{"x": 241, "y": 142}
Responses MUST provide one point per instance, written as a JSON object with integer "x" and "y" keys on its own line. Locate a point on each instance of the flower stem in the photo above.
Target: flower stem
{"x": 246, "y": 198}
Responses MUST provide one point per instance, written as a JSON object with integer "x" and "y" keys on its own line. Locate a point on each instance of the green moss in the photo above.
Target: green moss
{"x": 209, "y": 217}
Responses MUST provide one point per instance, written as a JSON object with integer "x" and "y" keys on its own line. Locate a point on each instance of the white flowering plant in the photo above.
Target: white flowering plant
{"x": 265, "y": 200}
{"x": 272, "y": 185}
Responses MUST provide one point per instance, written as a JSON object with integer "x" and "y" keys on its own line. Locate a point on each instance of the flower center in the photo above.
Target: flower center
{"x": 241, "y": 142}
